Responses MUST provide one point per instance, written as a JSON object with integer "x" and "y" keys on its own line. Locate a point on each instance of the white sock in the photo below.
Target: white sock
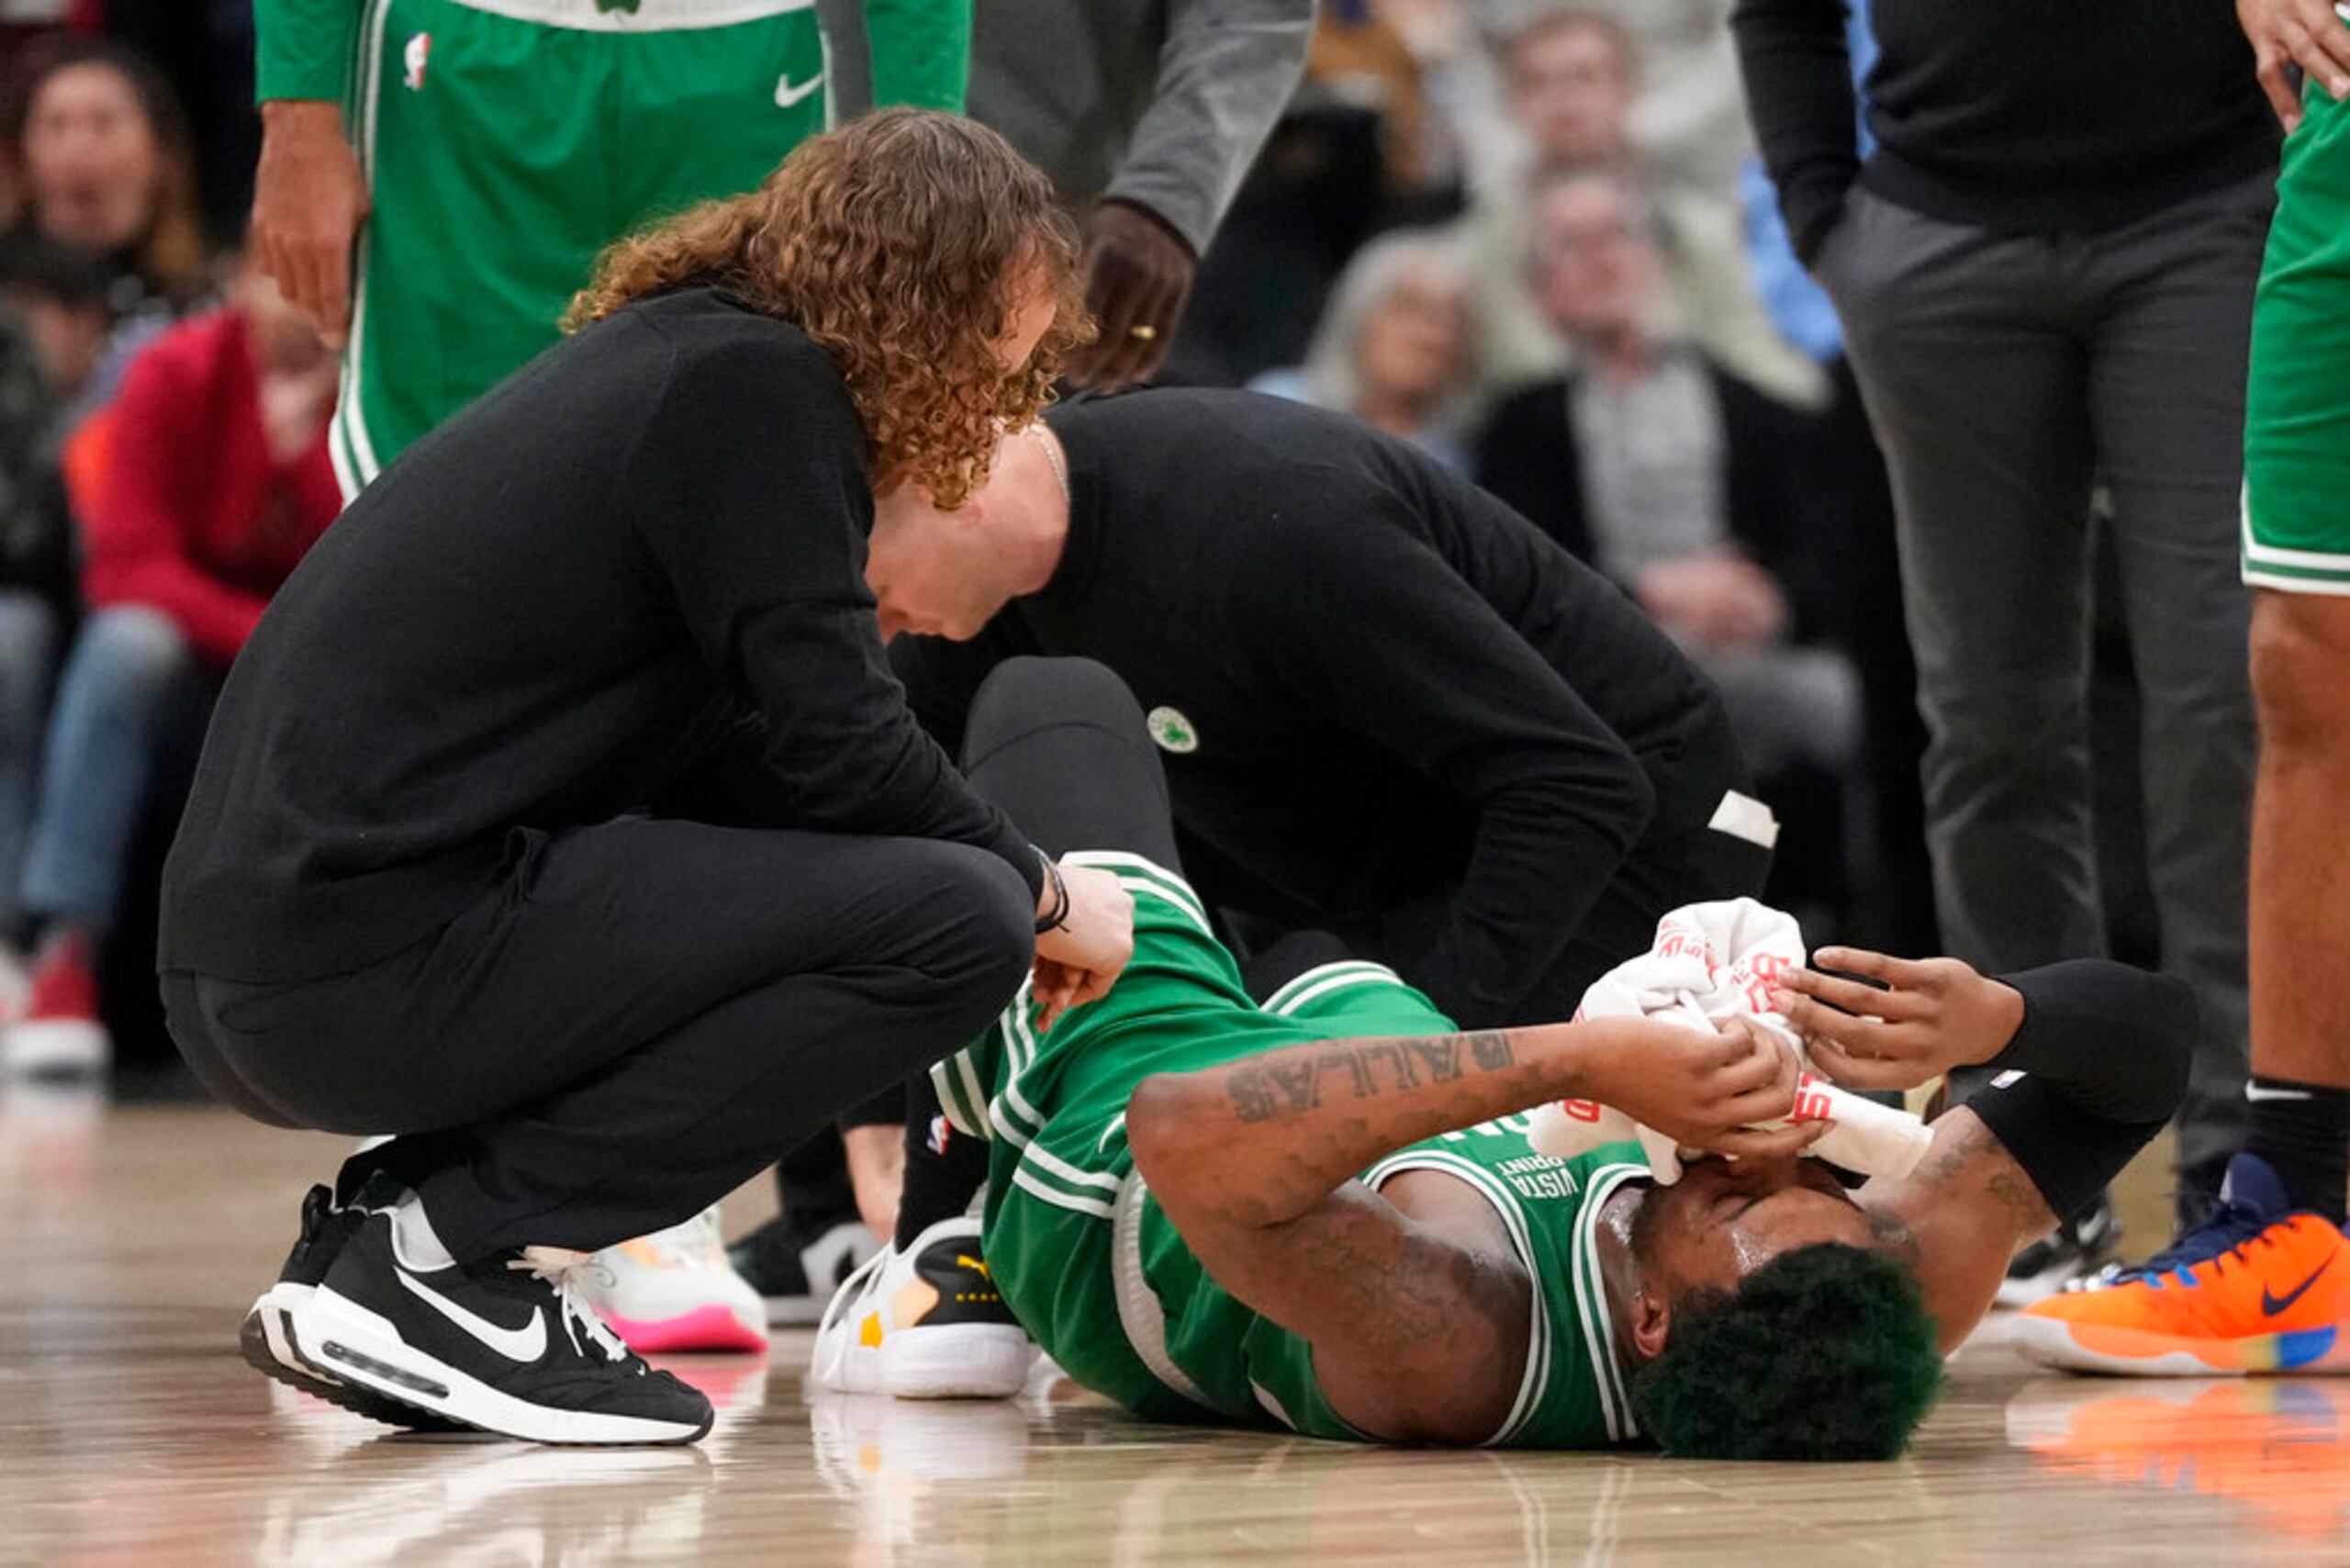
{"x": 414, "y": 1242}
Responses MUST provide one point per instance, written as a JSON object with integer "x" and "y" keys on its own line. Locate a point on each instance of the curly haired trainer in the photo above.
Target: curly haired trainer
{"x": 889, "y": 242}
{"x": 561, "y": 816}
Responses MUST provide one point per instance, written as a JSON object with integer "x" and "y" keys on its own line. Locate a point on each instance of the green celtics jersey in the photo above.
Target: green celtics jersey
{"x": 1100, "y": 1276}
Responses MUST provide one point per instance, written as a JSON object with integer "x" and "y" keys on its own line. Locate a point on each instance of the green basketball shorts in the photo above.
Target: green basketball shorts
{"x": 507, "y": 142}
{"x": 2296, "y": 406}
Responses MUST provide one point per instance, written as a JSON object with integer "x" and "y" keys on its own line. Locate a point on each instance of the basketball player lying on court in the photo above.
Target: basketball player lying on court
{"x": 1323, "y": 1212}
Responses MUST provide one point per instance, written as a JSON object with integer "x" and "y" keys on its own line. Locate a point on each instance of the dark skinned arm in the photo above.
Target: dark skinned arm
{"x": 1959, "y": 1217}
{"x": 2106, "y": 1050}
{"x": 1418, "y": 1328}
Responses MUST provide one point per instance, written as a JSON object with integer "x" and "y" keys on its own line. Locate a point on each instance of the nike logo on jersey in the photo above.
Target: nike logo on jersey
{"x": 2271, "y": 1306}
{"x": 526, "y": 1343}
{"x": 2261, "y": 1092}
{"x": 789, "y": 96}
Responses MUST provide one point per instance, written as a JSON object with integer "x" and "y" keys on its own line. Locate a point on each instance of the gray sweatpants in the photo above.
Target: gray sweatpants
{"x": 2005, "y": 373}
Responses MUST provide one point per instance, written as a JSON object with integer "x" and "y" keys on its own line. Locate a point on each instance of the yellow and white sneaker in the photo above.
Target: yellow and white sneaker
{"x": 927, "y": 1323}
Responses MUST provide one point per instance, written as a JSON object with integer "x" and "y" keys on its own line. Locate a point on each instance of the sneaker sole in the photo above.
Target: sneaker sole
{"x": 2018, "y": 1294}
{"x": 2134, "y": 1352}
{"x": 362, "y": 1348}
{"x": 955, "y": 1360}
{"x": 712, "y": 1329}
{"x": 854, "y": 1370}
{"x": 272, "y": 1347}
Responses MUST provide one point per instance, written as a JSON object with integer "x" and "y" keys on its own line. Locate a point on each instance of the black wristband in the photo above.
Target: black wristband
{"x": 1055, "y": 916}
{"x": 2115, "y": 1041}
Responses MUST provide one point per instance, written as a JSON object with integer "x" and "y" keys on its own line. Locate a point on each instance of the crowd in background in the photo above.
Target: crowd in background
{"x": 1531, "y": 238}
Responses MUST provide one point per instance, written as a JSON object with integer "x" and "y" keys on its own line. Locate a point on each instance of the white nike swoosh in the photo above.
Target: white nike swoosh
{"x": 2255, "y": 1092}
{"x": 525, "y": 1344}
{"x": 786, "y": 94}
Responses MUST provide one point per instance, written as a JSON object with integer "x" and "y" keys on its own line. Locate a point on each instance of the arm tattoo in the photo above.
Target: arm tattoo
{"x": 1292, "y": 1080}
{"x": 1981, "y": 1154}
{"x": 2027, "y": 1210}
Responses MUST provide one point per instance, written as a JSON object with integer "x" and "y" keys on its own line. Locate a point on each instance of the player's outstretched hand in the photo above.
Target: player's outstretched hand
{"x": 1930, "y": 1015}
{"x": 2286, "y": 33}
{"x": 309, "y": 198}
{"x": 1081, "y": 961}
{"x": 1720, "y": 1093}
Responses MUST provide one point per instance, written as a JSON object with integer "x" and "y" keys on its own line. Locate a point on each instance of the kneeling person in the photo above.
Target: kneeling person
{"x": 1324, "y": 1214}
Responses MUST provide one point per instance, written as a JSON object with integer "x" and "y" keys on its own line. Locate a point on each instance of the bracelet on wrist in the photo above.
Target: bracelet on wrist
{"x": 1056, "y": 915}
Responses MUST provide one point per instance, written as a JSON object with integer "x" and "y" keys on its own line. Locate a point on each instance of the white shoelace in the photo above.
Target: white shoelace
{"x": 558, "y": 1268}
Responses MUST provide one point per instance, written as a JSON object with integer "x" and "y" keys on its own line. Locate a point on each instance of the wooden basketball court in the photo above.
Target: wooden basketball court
{"x": 131, "y": 1240}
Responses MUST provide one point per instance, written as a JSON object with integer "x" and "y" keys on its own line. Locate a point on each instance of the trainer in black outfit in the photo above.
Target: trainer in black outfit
{"x": 563, "y": 817}
{"x": 1391, "y": 707}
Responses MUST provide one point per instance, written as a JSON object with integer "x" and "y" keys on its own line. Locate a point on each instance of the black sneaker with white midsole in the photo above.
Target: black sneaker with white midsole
{"x": 507, "y": 1345}
{"x": 797, "y": 1263}
{"x": 2069, "y": 1255}
{"x": 271, "y": 1345}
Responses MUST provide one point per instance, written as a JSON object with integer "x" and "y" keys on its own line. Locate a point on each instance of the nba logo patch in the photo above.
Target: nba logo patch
{"x": 419, "y": 50}
{"x": 940, "y": 1134}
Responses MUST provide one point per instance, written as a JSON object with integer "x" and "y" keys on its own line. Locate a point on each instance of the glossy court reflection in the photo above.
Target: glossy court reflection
{"x": 130, "y": 1433}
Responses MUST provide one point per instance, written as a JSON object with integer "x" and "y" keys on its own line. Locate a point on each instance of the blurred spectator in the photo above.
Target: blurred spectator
{"x": 205, "y": 48}
{"x": 1147, "y": 114}
{"x": 1571, "y": 80}
{"x": 1686, "y": 122}
{"x": 1442, "y": 37}
{"x": 107, "y": 170}
{"x": 1393, "y": 347}
{"x": 1689, "y": 121}
{"x": 1357, "y": 57}
{"x": 216, "y": 482}
{"x": 53, "y": 315}
{"x": 1689, "y": 486}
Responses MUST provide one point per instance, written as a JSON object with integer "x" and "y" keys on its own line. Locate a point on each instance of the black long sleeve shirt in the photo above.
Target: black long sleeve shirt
{"x": 2011, "y": 114}
{"x": 1379, "y": 683}
{"x": 650, "y": 536}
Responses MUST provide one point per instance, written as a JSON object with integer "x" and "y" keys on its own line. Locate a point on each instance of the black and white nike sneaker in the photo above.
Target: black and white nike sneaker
{"x": 508, "y": 1344}
{"x": 271, "y": 1345}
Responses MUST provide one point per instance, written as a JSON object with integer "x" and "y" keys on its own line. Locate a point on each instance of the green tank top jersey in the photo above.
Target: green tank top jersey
{"x": 1093, "y": 1268}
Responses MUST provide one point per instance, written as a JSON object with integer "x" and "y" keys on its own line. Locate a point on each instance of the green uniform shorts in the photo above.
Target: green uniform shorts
{"x": 507, "y": 142}
{"x": 2296, "y": 406}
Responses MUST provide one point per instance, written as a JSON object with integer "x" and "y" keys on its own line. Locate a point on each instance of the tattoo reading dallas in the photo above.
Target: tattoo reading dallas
{"x": 1370, "y": 1067}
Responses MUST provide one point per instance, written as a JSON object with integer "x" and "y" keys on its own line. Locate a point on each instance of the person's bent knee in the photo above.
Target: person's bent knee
{"x": 986, "y": 926}
{"x": 1067, "y": 689}
{"x": 2300, "y": 646}
{"x": 132, "y": 649}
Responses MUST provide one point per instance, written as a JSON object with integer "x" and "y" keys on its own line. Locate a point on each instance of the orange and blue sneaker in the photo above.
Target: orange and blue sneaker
{"x": 2260, "y": 1287}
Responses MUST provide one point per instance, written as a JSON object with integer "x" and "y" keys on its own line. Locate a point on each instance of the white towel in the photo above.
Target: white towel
{"x": 1712, "y": 961}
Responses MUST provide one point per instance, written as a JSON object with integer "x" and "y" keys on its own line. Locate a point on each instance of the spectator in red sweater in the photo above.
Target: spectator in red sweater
{"x": 216, "y": 479}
